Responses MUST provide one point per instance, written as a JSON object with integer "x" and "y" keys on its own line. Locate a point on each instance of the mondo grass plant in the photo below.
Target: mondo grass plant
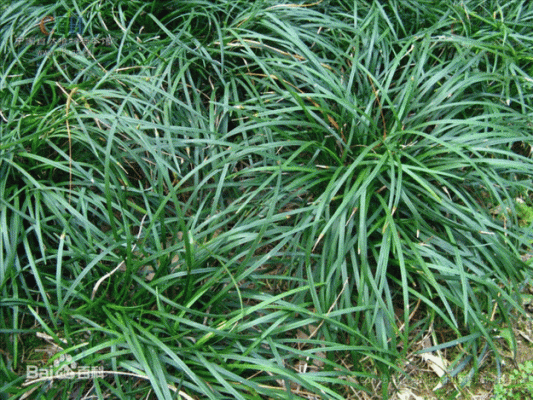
{"x": 258, "y": 200}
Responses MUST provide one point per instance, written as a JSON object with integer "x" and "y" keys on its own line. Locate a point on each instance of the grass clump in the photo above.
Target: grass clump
{"x": 259, "y": 200}
{"x": 518, "y": 384}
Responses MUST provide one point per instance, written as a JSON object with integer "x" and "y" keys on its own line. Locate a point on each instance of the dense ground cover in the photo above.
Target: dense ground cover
{"x": 254, "y": 200}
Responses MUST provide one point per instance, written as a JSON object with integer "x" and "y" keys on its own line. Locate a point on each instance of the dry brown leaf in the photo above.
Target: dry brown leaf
{"x": 437, "y": 364}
